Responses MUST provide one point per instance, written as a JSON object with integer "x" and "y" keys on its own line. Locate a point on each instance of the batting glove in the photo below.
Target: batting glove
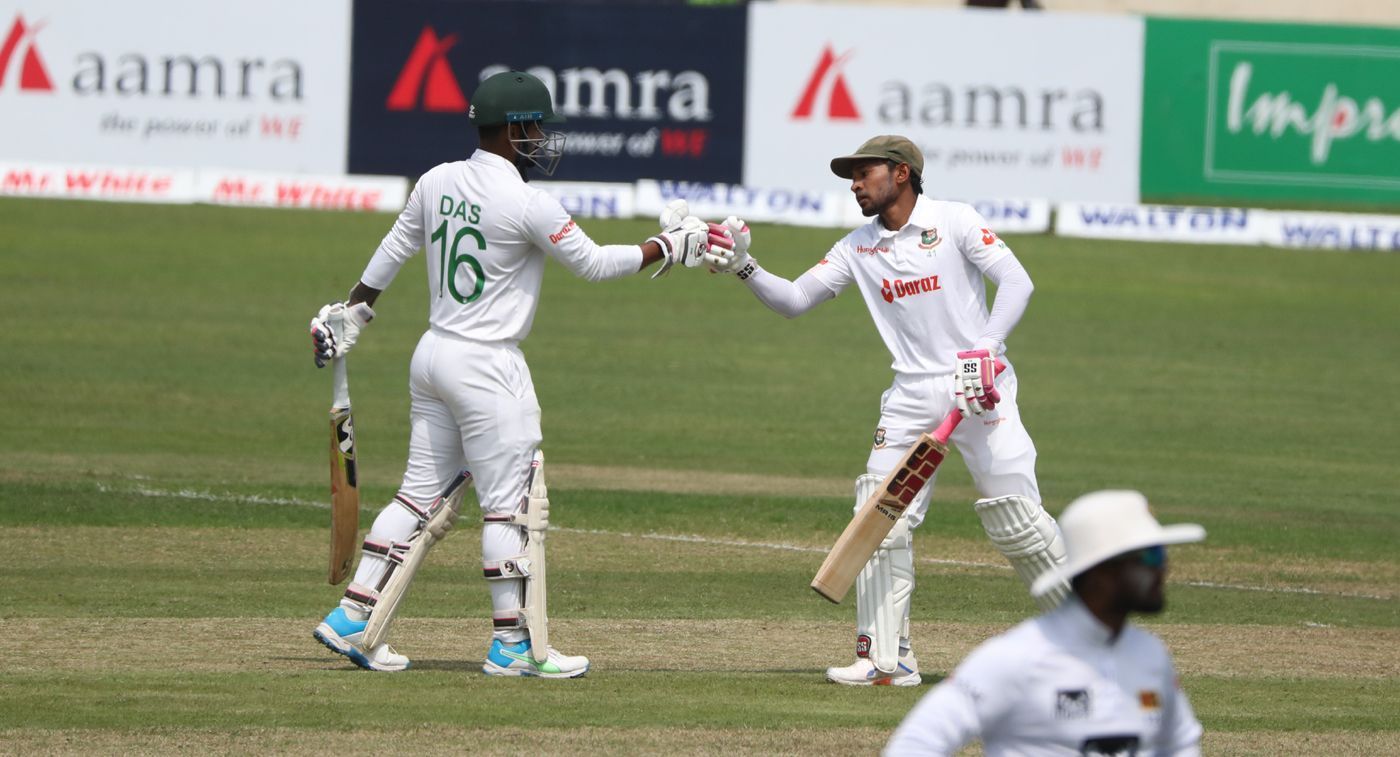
{"x": 729, "y": 248}
{"x": 336, "y": 328}
{"x": 973, "y": 387}
{"x": 684, "y": 239}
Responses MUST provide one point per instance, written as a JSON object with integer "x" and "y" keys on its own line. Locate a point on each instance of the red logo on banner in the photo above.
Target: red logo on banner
{"x": 427, "y": 77}
{"x": 32, "y": 74}
{"x": 839, "y": 104}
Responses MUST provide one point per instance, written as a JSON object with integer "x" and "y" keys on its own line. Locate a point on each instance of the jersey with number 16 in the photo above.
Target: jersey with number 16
{"x": 486, "y": 233}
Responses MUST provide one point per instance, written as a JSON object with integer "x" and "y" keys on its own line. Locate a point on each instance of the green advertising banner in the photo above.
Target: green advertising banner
{"x": 1282, "y": 112}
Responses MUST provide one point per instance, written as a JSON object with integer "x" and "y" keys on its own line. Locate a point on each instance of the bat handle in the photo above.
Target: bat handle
{"x": 944, "y": 432}
{"x": 340, "y": 384}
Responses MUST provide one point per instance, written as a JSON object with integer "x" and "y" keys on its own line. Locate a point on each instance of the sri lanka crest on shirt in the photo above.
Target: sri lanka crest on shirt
{"x": 1072, "y": 704}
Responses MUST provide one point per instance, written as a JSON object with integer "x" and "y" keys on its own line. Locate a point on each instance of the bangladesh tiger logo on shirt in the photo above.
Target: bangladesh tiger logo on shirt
{"x": 929, "y": 239}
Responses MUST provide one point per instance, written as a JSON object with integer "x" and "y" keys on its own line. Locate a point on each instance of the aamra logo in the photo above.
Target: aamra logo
{"x": 33, "y": 77}
{"x": 827, "y": 79}
{"x": 427, "y": 78}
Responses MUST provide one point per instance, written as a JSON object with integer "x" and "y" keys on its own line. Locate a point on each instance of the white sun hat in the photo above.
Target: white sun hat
{"x": 1104, "y": 524}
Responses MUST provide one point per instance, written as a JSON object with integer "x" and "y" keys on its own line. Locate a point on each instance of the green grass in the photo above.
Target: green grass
{"x": 162, "y": 419}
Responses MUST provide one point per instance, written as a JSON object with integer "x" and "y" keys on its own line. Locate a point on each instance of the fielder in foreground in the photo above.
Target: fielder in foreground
{"x": 474, "y": 416}
{"x": 919, "y": 265}
{"x": 1079, "y": 679}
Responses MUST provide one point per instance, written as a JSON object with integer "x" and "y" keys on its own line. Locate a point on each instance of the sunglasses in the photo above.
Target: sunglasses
{"x": 1152, "y": 557}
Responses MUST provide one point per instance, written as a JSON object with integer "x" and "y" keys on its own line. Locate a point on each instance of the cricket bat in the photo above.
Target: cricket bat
{"x": 345, "y": 480}
{"x": 873, "y": 521}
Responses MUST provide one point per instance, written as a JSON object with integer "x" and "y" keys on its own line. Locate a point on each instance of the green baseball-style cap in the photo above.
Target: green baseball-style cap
{"x": 884, "y": 147}
{"x": 512, "y": 97}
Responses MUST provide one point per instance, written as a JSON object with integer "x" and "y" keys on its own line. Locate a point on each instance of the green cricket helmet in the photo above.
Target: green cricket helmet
{"x": 512, "y": 97}
{"x": 515, "y": 97}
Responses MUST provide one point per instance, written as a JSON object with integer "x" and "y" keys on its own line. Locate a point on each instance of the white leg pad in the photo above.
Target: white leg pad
{"x": 883, "y": 590}
{"x": 533, "y": 518}
{"x": 405, "y": 557}
{"x": 1028, "y": 537}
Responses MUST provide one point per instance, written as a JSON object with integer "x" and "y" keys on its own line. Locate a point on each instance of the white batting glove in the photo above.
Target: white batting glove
{"x": 336, "y": 328}
{"x": 729, "y": 248}
{"x": 684, "y": 239}
{"x": 973, "y": 387}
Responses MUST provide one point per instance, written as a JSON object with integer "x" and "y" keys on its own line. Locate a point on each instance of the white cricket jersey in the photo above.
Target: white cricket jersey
{"x": 923, "y": 283}
{"x": 486, "y": 232}
{"x": 1057, "y": 685}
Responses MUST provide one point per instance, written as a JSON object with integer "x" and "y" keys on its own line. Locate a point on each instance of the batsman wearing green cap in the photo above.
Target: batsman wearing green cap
{"x": 486, "y": 234}
{"x": 920, "y": 265}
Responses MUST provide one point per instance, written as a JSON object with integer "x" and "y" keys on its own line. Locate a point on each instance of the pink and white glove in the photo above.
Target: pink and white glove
{"x": 729, "y": 247}
{"x": 973, "y": 387}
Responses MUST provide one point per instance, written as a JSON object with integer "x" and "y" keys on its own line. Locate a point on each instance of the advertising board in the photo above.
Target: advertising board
{"x": 638, "y": 103}
{"x": 257, "y": 84}
{"x": 1002, "y": 105}
{"x": 1271, "y": 112}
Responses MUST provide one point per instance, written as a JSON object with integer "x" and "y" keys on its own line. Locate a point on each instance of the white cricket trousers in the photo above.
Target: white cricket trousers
{"x": 995, "y": 445}
{"x": 473, "y": 406}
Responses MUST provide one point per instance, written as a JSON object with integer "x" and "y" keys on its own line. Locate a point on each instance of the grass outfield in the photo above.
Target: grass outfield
{"x": 162, "y": 487}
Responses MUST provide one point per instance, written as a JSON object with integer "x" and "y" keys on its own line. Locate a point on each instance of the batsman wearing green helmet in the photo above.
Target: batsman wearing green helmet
{"x": 486, "y": 233}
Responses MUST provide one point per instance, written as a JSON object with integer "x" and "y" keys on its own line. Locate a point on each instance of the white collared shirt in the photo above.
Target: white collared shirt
{"x": 923, "y": 283}
{"x": 489, "y": 230}
{"x": 1057, "y": 684}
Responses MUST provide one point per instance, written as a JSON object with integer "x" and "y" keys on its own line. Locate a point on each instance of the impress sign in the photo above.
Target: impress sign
{"x": 1272, "y": 112}
{"x": 993, "y": 100}
{"x": 261, "y": 84}
{"x": 1303, "y": 114}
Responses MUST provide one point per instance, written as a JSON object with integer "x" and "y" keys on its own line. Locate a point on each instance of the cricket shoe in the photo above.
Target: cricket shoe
{"x": 864, "y": 673}
{"x": 515, "y": 660}
{"x": 342, "y": 635}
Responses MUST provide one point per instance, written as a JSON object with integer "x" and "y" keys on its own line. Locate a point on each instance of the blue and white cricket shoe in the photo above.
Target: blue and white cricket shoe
{"x": 515, "y": 660}
{"x": 864, "y": 673}
{"x": 341, "y": 634}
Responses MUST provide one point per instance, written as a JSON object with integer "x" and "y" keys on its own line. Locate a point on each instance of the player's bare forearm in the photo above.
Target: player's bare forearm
{"x": 651, "y": 253}
{"x": 363, "y": 293}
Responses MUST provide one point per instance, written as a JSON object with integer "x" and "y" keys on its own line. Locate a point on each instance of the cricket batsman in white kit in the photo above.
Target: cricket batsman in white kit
{"x": 1079, "y": 680}
{"x": 474, "y": 415}
{"x": 919, "y": 264}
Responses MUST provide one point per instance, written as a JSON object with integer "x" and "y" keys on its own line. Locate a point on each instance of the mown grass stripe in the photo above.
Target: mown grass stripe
{"x": 193, "y": 495}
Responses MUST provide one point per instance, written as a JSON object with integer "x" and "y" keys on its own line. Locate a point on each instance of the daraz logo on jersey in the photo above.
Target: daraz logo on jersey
{"x": 564, "y": 232}
{"x": 902, "y": 288}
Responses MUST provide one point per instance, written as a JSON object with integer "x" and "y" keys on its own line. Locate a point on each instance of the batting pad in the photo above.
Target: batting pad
{"x": 884, "y": 589}
{"x": 1028, "y": 537}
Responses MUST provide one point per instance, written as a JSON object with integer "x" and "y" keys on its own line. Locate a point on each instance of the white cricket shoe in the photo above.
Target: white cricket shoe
{"x": 864, "y": 673}
{"x": 342, "y": 635}
{"x": 515, "y": 660}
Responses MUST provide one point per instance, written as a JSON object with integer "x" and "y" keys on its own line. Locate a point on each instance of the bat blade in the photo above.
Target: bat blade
{"x": 345, "y": 481}
{"x": 872, "y": 523}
